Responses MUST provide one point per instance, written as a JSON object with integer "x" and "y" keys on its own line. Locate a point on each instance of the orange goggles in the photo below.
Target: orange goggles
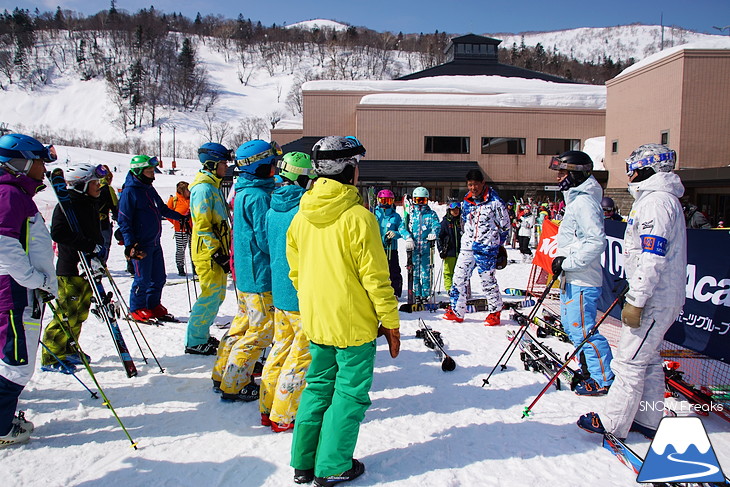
{"x": 420, "y": 200}
{"x": 385, "y": 201}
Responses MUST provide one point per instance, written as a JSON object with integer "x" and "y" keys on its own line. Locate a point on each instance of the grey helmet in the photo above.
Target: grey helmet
{"x": 648, "y": 159}
{"x": 332, "y": 154}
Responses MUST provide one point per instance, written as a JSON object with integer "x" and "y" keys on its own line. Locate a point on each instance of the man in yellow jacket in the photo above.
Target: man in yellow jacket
{"x": 334, "y": 239}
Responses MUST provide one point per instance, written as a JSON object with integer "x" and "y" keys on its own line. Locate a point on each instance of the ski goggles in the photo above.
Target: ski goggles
{"x": 648, "y": 161}
{"x": 101, "y": 172}
{"x": 153, "y": 162}
{"x": 226, "y": 156}
{"x": 274, "y": 151}
{"x": 47, "y": 154}
{"x": 386, "y": 201}
{"x": 420, "y": 200}
{"x": 607, "y": 209}
{"x": 453, "y": 205}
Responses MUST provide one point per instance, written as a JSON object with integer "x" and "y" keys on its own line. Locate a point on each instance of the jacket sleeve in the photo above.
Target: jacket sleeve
{"x": 503, "y": 223}
{"x": 592, "y": 236}
{"x": 655, "y": 224}
{"x": 114, "y": 207}
{"x": 204, "y": 217}
{"x": 127, "y": 205}
{"x": 292, "y": 253}
{"x": 259, "y": 208}
{"x": 166, "y": 212}
{"x": 61, "y": 232}
{"x": 403, "y": 229}
{"x": 442, "y": 242}
{"x": 372, "y": 268}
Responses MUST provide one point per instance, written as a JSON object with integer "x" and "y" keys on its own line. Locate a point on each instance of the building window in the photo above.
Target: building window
{"x": 503, "y": 145}
{"x": 447, "y": 145}
{"x": 664, "y": 137}
{"x": 614, "y": 147}
{"x": 554, "y": 147}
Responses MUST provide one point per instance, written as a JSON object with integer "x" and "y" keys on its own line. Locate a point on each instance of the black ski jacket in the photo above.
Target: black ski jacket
{"x": 70, "y": 243}
{"x": 449, "y": 238}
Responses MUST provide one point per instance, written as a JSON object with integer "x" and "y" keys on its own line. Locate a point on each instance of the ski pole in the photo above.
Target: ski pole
{"x": 121, "y": 299}
{"x": 69, "y": 370}
{"x": 448, "y": 363}
{"x": 63, "y": 323}
{"x": 589, "y": 335}
{"x": 523, "y": 328}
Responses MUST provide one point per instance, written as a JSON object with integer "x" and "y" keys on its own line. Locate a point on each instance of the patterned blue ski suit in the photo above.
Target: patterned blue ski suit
{"x": 423, "y": 222}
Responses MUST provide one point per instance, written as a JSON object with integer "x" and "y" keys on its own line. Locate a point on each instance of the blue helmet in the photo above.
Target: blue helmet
{"x": 211, "y": 153}
{"x": 252, "y": 155}
{"x": 18, "y": 151}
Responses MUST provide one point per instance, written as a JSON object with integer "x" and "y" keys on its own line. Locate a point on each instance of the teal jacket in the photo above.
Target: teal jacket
{"x": 390, "y": 220}
{"x": 284, "y": 205}
{"x": 250, "y": 244}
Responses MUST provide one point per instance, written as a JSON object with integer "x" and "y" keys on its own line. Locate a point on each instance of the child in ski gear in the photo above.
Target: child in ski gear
{"x": 655, "y": 262}
{"x": 253, "y": 330}
{"x": 108, "y": 202}
{"x": 334, "y": 243}
{"x": 140, "y": 220}
{"x": 486, "y": 226}
{"x": 180, "y": 202}
{"x": 449, "y": 241}
{"x": 211, "y": 246}
{"x": 525, "y": 225}
{"x": 424, "y": 225}
{"x": 282, "y": 379}
{"x": 581, "y": 241}
{"x": 609, "y": 210}
{"x": 26, "y": 265}
{"x": 392, "y": 228}
{"x": 74, "y": 297}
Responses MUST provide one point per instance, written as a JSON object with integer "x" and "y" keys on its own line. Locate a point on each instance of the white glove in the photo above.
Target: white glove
{"x": 390, "y": 234}
{"x": 431, "y": 237}
{"x": 410, "y": 244}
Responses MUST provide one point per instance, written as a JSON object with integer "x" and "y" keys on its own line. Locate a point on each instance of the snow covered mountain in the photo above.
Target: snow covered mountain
{"x": 318, "y": 24}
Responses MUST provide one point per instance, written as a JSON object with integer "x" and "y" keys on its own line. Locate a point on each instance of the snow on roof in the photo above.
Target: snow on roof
{"x": 719, "y": 43}
{"x": 318, "y": 24}
{"x": 595, "y": 147}
{"x": 289, "y": 124}
{"x": 497, "y": 91}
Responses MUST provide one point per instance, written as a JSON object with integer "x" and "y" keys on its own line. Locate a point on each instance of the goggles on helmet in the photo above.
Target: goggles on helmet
{"x": 275, "y": 150}
{"x": 607, "y": 209}
{"x": 557, "y": 163}
{"x": 228, "y": 154}
{"x": 453, "y": 205}
{"x": 301, "y": 171}
{"x": 649, "y": 161}
{"x": 47, "y": 154}
{"x": 153, "y": 162}
{"x": 386, "y": 201}
{"x": 420, "y": 200}
{"x": 101, "y": 172}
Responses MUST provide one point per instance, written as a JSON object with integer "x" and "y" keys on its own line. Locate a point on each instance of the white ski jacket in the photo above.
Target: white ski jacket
{"x": 655, "y": 243}
{"x": 581, "y": 236}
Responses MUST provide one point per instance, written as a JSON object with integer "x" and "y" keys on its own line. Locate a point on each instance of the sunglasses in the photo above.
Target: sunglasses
{"x": 420, "y": 200}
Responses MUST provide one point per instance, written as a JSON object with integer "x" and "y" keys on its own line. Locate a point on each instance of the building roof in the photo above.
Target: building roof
{"x": 470, "y": 68}
{"x": 475, "y": 39}
{"x": 415, "y": 171}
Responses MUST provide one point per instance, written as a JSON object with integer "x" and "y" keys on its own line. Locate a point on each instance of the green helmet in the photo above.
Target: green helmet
{"x": 141, "y": 162}
{"x": 295, "y": 164}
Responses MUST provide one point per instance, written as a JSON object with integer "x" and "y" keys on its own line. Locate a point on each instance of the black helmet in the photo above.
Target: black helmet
{"x": 578, "y": 164}
{"x": 607, "y": 204}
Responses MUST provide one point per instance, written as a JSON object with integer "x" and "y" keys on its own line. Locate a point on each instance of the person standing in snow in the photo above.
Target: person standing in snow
{"x": 211, "y": 246}
{"x": 26, "y": 265}
{"x": 392, "y": 228}
{"x": 253, "y": 328}
{"x": 424, "y": 225}
{"x": 655, "y": 262}
{"x": 141, "y": 211}
{"x": 74, "y": 298}
{"x": 486, "y": 226}
{"x": 108, "y": 202}
{"x": 338, "y": 265}
{"x": 180, "y": 202}
{"x": 449, "y": 241}
{"x": 282, "y": 378}
{"x": 526, "y": 224}
{"x": 581, "y": 241}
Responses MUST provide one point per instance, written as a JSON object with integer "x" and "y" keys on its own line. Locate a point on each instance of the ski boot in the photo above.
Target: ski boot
{"x": 591, "y": 423}
{"x": 452, "y": 316}
{"x": 589, "y": 387}
{"x": 493, "y": 319}
{"x": 247, "y": 394}
{"x": 303, "y": 476}
{"x": 357, "y": 469}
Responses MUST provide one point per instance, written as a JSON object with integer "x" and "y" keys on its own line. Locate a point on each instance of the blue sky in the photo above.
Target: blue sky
{"x": 459, "y": 17}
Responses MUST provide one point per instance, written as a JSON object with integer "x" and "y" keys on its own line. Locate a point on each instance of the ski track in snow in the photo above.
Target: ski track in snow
{"x": 425, "y": 427}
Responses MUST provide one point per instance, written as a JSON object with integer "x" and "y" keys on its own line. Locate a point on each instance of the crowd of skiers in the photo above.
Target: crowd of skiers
{"x": 318, "y": 275}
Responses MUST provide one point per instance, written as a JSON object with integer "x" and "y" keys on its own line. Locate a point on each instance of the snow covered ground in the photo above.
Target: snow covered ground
{"x": 424, "y": 428}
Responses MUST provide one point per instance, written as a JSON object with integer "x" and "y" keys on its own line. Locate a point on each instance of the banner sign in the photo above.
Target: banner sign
{"x": 704, "y": 323}
{"x": 547, "y": 247}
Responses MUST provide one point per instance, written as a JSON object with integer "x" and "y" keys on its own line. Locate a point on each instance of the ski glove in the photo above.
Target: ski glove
{"x": 390, "y": 234}
{"x": 558, "y": 265}
{"x": 502, "y": 259}
{"x": 410, "y": 244}
{"x": 392, "y": 336}
{"x": 45, "y": 296}
{"x": 431, "y": 237}
{"x": 133, "y": 252}
{"x": 223, "y": 260}
{"x": 185, "y": 224}
{"x": 631, "y": 315}
{"x": 100, "y": 252}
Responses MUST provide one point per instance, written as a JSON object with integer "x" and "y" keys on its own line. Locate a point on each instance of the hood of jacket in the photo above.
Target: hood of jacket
{"x": 327, "y": 200}
{"x": 286, "y": 197}
{"x": 590, "y": 186}
{"x": 266, "y": 184}
{"x": 27, "y": 184}
{"x": 205, "y": 177}
{"x": 668, "y": 182}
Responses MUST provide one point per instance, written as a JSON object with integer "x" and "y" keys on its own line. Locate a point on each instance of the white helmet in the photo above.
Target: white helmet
{"x": 649, "y": 159}
{"x": 331, "y": 155}
{"x": 78, "y": 177}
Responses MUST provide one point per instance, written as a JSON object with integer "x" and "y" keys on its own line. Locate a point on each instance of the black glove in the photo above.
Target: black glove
{"x": 502, "y": 259}
{"x": 133, "y": 252}
{"x": 185, "y": 223}
{"x": 223, "y": 260}
{"x": 558, "y": 265}
{"x": 443, "y": 254}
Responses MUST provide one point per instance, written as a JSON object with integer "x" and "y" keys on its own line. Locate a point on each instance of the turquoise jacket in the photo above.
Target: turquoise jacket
{"x": 284, "y": 205}
{"x": 390, "y": 220}
{"x": 250, "y": 244}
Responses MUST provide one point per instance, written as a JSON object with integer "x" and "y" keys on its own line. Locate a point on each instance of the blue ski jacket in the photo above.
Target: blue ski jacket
{"x": 390, "y": 220}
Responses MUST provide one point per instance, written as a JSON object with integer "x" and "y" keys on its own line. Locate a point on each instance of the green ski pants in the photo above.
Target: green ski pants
{"x": 74, "y": 301}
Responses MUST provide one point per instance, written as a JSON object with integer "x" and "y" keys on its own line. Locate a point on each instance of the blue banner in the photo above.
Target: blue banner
{"x": 704, "y": 324}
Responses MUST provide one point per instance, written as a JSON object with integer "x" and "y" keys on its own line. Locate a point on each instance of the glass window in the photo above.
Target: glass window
{"x": 446, "y": 145}
{"x": 665, "y": 137}
{"x": 554, "y": 147}
{"x": 614, "y": 147}
{"x": 503, "y": 145}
